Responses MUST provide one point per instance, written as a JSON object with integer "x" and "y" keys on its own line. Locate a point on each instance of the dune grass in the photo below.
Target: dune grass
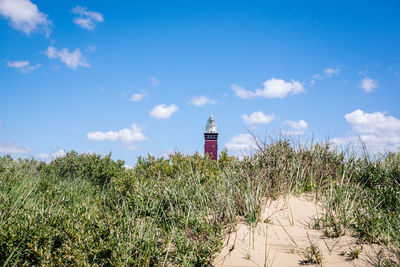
{"x": 87, "y": 209}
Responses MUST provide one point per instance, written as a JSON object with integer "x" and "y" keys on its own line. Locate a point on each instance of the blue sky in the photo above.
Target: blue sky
{"x": 138, "y": 77}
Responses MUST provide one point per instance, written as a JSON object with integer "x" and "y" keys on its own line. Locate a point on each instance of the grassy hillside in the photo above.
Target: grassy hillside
{"x": 86, "y": 209}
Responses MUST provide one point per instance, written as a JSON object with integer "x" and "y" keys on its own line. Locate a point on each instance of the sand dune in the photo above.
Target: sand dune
{"x": 284, "y": 237}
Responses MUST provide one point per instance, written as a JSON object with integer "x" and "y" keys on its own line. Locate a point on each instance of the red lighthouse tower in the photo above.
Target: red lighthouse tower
{"x": 211, "y": 138}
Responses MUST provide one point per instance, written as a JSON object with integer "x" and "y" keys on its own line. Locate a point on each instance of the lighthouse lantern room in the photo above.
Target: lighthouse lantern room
{"x": 211, "y": 138}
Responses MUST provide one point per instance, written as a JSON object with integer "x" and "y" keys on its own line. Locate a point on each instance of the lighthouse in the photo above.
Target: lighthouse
{"x": 211, "y": 138}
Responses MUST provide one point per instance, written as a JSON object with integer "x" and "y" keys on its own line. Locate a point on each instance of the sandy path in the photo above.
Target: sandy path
{"x": 283, "y": 240}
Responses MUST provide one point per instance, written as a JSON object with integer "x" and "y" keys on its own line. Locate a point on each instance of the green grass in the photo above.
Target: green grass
{"x": 312, "y": 255}
{"x": 87, "y": 209}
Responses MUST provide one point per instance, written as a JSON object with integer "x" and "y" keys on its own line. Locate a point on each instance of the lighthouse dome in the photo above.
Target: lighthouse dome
{"x": 211, "y": 126}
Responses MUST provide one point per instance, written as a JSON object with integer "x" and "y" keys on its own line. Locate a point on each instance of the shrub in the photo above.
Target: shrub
{"x": 87, "y": 209}
{"x": 98, "y": 169}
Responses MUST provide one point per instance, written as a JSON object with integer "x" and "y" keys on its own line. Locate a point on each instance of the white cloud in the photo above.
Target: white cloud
{"x": 202, "y": 100}
{"x": 368, "y": 84}
{"x": 58, "y": 153}
{"x": 296, "y": 127}
{"x": 241, "y": 144}
{"x": 163, "y": 111}
{"x": 329, "y": 72}
{"x": 154, "y": 81}
{"x": 258, "y": 117}
{"x": 23, "y": 66}
{"x": 241, "y": 92}
{"x": 46, "y": 157}
{"x": 273, "y": 88}
{"x": 71, "y": 59}
{"x": 128, "y": 166}
{"x": 87, "y": 19}
{"x": 18, "y": 64}
{"x": 277, "y": 88}
{"x": 363, "y": 72}
{"x": 378, "y": 131}
{"x": 361, "y": 122}
{"x": 43, "y": 157}
{"x": 137, "y": 97}
{"x": 13, "y": 148}
{"x": 135, "y": 134}
{"x": 126, "y": 135}
{"x": 23, "y": 15}
{"x": 85, "y": 23}
{"x": 101, "y": 136}
{"x": 317, "y": 76}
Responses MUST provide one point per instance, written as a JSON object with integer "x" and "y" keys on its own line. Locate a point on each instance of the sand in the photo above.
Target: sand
{"x": 283, "y": 239}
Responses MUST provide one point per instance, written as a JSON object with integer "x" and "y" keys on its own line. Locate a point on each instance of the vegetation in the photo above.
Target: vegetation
{"x": 312, "y": 254}
{"x": 87, "y": 209}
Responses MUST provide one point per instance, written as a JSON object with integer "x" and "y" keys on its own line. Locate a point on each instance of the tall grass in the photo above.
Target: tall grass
{"x": 86, "y": 209}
